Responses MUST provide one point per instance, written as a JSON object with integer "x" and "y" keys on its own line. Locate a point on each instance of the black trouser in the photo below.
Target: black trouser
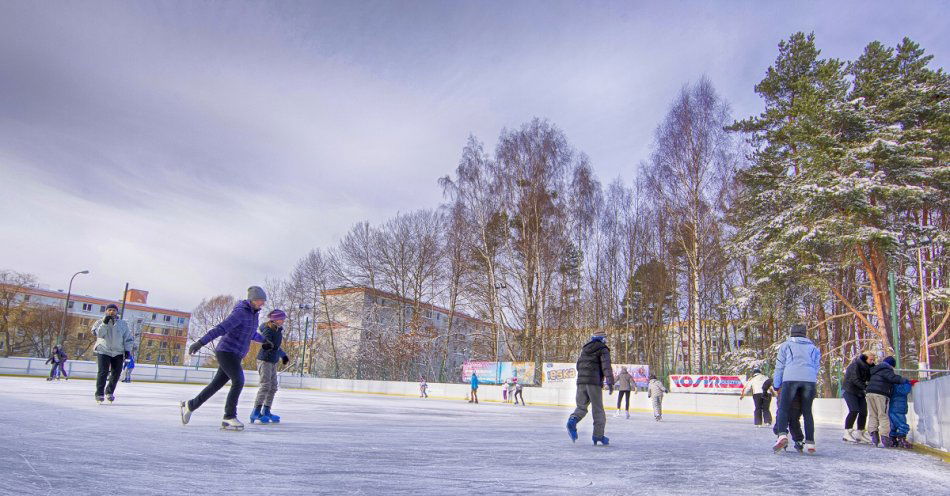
{"x": 857, "y": 409}
{"x": 794, "y": 412}
{"x": 229, "y": 369}
{"x": 762, "y": 403}
{"x": 52, "y": 371}
{"x": 621, "y": 395}
{"x": 786, "y": 413}
{"x": 111, "y": 367}
{"x": 519, "y": 395}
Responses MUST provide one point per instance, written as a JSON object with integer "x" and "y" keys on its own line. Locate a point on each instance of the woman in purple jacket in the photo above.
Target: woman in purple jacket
{"x": 238, "y": 330}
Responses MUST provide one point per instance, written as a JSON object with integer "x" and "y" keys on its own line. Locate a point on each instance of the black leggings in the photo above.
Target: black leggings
{"x": 857, "y": 410}
{"x": 620, "y": 396}
{"x": 229, "y": 369}
{"x": 110, "y": 367}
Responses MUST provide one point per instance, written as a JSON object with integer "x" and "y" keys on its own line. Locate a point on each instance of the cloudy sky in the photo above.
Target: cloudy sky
{"x": 195, "y": 148}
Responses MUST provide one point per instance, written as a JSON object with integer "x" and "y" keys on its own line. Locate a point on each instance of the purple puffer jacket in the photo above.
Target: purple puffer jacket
{"x": 238, "y": 330}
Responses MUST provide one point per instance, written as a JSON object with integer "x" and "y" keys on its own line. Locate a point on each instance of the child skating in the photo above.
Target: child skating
{"x": 238, "y": 329}
{"x": 423, "y": 387}
{"x": 624, "y": 383}
{"x": 273, "y": 333}
{"x": 517, "y": 387}
{"x": 113, "y": 344}
{"x": 593, "y": 369}
{"x": 655, "y": 391}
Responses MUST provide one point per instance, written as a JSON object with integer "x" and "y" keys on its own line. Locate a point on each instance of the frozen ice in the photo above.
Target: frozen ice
{"x": 55, "y": 439}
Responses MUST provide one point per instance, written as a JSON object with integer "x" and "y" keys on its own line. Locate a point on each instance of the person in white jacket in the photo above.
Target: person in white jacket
{"x": 760, "y": 385}
{"x": 655, "y": 391}
{"x": 113, "y": 345}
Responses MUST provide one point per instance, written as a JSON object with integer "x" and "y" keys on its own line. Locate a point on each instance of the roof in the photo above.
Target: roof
{"x": 100, "y": 301}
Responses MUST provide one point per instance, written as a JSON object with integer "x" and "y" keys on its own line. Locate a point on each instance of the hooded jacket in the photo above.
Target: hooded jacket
{"x": 656, "y": 389}
{"x": 756, "y": 385}
{"x": 276, "y": 337}
{"x": 112, "y": 339}
{"x": 238, "y": 330}
{"x": 798, "y": 360}
{"x": 856, "y": 376}
{"x": 883, "y": 379}
{"x": 593, "y": 366}
{"x": 624, "y": 381}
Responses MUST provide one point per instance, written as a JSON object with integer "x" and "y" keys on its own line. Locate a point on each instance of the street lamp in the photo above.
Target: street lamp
{"x": 306, "y": 330}
{"x": 62, "y": 325}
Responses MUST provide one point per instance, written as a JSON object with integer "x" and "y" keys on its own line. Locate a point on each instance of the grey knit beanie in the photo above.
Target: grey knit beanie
{"x": 256, "y": 293}
{"x": 600, "y": 333}
{"x": 799, "y": 331}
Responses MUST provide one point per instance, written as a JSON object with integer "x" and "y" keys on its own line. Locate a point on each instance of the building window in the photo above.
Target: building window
{"x": 26, "y": 298}
{"x": 83, "y": 322}
{"x": 150, "y": 342}
{"x": 161, "y": 358}
{"x": 167, "y": 318}
{"x": 181, "y": 320}
{"x": 153, "y": 316}
{"x": 164, "y": 345}
{"x": 165, "y": 332}
{"x": 87, "y": 307}
{"x": 70, "y": 305}
{"x": 81, "y": 335}
{"x": 177, "y": 346}
{"x": 148, "y": 356}
{"x": 174, "y": 359}
{"x": 179, "y": 332}
{"x": 102, "y": 308}
{"x": 139, "y": 321}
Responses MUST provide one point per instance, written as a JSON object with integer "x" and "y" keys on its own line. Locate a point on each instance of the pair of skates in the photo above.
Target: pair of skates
{"x": 101, "y": 399}
{"x": 617, "y": 415}
{"x": 806, "y": 447}
{"x": 227, "y": 424}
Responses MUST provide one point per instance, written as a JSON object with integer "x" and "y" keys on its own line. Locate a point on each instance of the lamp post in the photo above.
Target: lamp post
{"x": 306, "y": 331}
{"x": 62, "y": 325}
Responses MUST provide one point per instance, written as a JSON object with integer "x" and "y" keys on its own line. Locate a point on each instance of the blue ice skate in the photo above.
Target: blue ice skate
{"x": 256, "y": 415}
{"x": 271, "y": 417}
{"x": 602, "y": 439}
{"x": 572, "y": 428}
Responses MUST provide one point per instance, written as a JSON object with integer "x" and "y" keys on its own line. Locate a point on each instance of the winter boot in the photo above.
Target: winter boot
{"x": 800, "y": 447}
{"x": 604, "y": 440}
{"x": 256, "y": 414}
{"x": 270, "y": 416}
{"x": 810, "y": 447}
{"x": 906, "y": 444}
{"x": 875, "y": 439}
{"x": 886, "y": 442}
{"x": 185, "y": 413}
{"x": 572, "y": 428}
{"x": 231, "y": 424}
{"x": 848, "y": 436}
{"x": 781, "y": 443}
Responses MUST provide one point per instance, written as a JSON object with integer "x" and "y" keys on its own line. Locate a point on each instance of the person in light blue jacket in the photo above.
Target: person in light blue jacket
{"x": 796, "y": 374}
{"x": 474, "y": 382}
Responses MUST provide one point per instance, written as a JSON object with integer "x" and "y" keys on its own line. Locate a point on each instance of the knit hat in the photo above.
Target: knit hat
{"x": 112, "y": 306}
{"x": 756, "y": 371}
{"x": 277, "y": 314}
{"x": 890, "y": 361}
{"x": 600, "y": 333}
{"x": 798, "y": 331}
{"x": 256, "y": 293}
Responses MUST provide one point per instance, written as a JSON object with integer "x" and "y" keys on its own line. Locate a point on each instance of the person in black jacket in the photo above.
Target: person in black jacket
{"x": 272, "y": 331}
{"x": 856, "y": 378}
{"x": 880, "y": 386}
{"x": 593, "y": 369}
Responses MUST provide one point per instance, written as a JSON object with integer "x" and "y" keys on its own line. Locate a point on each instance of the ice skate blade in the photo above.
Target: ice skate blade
{"x": 226, "y": 427}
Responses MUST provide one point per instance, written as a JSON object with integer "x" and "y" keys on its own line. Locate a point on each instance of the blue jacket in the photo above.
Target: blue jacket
{"x": 238, "y": 330}
{"x": 798, "y": 360}
{"x": 899, "y": 399}
{"x": 275, "y": 336}
{"x": 474, "y": 381}
{"x": 130, "y": 363}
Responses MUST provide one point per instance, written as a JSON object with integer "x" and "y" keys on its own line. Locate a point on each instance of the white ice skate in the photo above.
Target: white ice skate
{"x": 865, "y": 437}
{"x": 628, "y": 415}
{"x": 617, "y": 415}
{"x": 231, "y": 424}
{"x": 185, "y": 413}
{"x": 850, "y": 436}
{"x": 780, "y": 444}
{"x": 810, "y": 448}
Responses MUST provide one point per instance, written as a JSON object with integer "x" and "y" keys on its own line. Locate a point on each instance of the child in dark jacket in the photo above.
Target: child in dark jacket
{"x": 897, "y": 412}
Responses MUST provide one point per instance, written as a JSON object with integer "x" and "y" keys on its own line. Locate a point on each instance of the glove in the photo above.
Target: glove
{"x": 610, "y": 388}
{"x": 913, "y": 382}
{"x": 127, "y": 355}
{"x": 194, "y": 348}
{"x": 284, "y": 359}
{"x": 108, "y": 320}
{"x": 267, "y": 345}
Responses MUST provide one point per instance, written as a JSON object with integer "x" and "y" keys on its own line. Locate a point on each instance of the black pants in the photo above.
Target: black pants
{"x": 620, "y": 396}
{"x": 857, "y": 410}
{"x": 794, "y": 391}
{"x": 111, "y": 367}
{"x": 229, "y": 369}
{"x": 762, "y": 403}
{"x": 519, "y": 395}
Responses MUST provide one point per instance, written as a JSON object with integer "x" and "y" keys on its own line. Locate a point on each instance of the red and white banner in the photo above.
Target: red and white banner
{"x": 716, "y": 384}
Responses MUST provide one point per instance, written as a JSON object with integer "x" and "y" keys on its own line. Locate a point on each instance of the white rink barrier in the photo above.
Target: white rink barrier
{"x": 933, "y": 402}
{"x": 932, "y": 409}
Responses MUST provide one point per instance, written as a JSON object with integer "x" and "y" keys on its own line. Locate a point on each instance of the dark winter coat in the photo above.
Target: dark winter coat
{"x": 883, "y": 379}
{"x": 856, "y": 376}
{"x": 275, "y": 335}
{"x": 238, "y": 330}
{"x": 593, "y": 366}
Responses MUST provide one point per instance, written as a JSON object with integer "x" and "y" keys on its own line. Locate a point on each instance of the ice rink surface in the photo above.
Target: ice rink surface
{"x": 54, "y": 439}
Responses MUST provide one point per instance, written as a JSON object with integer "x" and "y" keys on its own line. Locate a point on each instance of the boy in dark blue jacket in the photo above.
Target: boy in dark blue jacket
{"x": 897, "y": 413}
{"x": 273, "y": 332}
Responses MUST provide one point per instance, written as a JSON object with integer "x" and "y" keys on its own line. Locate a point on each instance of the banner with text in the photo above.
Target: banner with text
{"x": 640, "y": 373}
{"x": 715, "y": 384}
{"x": 498, "y": 372}
{"x": 487, "y": 372}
